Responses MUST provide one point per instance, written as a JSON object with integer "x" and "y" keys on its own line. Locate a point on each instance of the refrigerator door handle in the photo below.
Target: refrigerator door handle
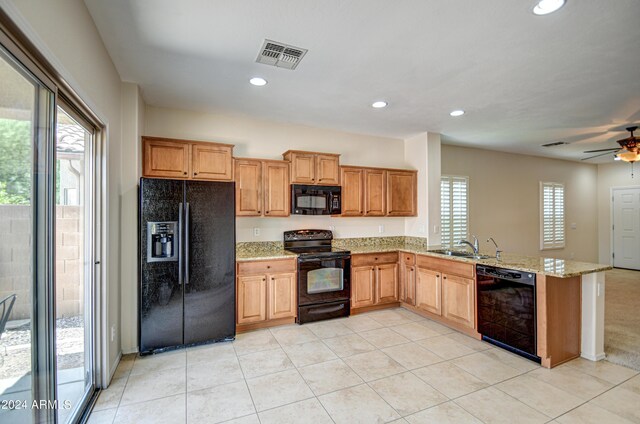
{"x": 186, "y": 243}
{"x": 180, "y": 252}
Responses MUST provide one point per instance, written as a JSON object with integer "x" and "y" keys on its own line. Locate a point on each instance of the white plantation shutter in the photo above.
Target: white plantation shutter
{"x": 454, "y": 209}
{"x": 551, "y": 215}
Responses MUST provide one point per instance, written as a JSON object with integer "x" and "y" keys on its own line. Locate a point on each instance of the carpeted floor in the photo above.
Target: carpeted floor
{"x": 622, "y": 317}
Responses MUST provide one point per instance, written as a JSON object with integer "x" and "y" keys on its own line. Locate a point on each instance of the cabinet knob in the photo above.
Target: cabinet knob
{"x": 268, "y": 266}
{"x": 195, "y": 173}
{"x": 375, "y": 259}
{"x": 265, "y": 211}
{"x": 258, "y": 211}
{"x": 444, "y": 278}
{"x": 185, "y": 173}
{"x": 264, "y": 279}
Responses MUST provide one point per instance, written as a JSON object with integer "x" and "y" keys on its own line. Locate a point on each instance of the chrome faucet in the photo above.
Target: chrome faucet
{"x": 473, "y": 246}
{"x": 498, "y": 251}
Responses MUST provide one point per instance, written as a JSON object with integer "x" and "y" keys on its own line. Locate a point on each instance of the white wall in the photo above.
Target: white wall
{"x": 504, "y": 200}
{"x": 65, "y": 34}
{"x": 264, "y": 139}
{"x": 611, "y": 175}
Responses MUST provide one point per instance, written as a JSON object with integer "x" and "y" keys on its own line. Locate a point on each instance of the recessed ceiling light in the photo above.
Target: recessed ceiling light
{"x": 458, "y": 112}
{"x": 258, "y": 81}
{"x": 379, "y": 104}
{"x": 544, "y": 7}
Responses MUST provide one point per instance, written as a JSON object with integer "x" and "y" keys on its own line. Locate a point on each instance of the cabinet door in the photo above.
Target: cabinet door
{"x": 303, "y": 166}
{"x": 402, "y": 194}
{"x": 362, "y": 287}
{"x": 327, "y": 170}
{"x": 276, "y": 189}
{"x": 352, "y": 191}
{"x": 387, "y": 283}
{"x": 252, "y": 299}
{"x": 212, "y": 162}
{"x": 248, "y": 176}
{"x": 282, "y": 296}
{"x": 374, "y": 192}
{"x": 428, "y": 290}
{"x": 168, "y": 159}
{"x": 459, "y": 299}
{"x": 408, "y": 284}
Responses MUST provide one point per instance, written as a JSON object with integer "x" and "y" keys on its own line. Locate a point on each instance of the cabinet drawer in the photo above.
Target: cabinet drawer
{"x": 447, "y": 266}
{"x": 407, "y": 258}
{"x": 266, "y": 267}
{"x": 374, "y": 258}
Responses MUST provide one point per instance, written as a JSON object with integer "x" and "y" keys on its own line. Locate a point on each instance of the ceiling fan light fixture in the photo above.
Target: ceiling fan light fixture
{"x": 544, "y": 7}
{"x": 629, "y": 156}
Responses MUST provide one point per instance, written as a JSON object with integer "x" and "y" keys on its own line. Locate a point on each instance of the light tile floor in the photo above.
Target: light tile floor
{"x": 385, "y": 366}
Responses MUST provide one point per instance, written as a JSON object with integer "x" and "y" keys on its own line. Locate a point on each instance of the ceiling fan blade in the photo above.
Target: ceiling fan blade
{"x": 601, "y": 150}
{"x": 597, "y": 156}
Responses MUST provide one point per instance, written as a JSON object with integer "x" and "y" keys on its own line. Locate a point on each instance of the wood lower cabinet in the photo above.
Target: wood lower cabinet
{"x": 252, "y": 299}
{"x": 408, "y": 278}
{"x": 429, "y": 290}
{"x": 374, "y": 279}
{"x": 402, "y": 193}
{"x": 165, "y": 158}
{"x": 266, "y": 293}
{"x": 387, "y": 283}
{"x": 363, "y": 286}
{"x": 281, "y": 295}
{"x": 313, "y": 167}
{"x": 262, "y": 188}
{"x": 458, "y": 300}
{"x": 185, "y": 159}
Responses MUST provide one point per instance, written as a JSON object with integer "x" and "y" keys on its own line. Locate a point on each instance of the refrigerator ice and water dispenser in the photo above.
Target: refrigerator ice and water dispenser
{"x": 162, "y": 240}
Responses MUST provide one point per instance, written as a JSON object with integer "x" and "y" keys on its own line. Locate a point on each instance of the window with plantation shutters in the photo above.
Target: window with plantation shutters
{"x": 454, "y": 209}
{"x": 551, "y": 215}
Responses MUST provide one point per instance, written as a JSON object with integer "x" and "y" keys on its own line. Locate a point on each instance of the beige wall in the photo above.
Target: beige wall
{"x": 504, "y": 200}
{"x": 611, "y": 175}
{"x": 65, "y": 34}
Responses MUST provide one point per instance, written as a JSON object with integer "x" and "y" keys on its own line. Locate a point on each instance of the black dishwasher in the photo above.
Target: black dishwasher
{"x": 507, "y": 309}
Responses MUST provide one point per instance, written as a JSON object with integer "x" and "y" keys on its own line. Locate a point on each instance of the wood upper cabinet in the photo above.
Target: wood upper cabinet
{"x": 428, "y": 290}
{"x": 362, "y": 286}
{"x": 327, "y": 169}
{"x": 277, "y": 193}
{"x": 184, "y": 159}
{"x": 281, "y": 295}
{"x": 262, "y": 187}
{"x": 458, "y": 302}
{"x": 165, "y": 158}
{"x": 248, "y": 177}
{"x": 352, "y": 191}
{"x": 374, "y": 192}
{"x": 387, "y": 283}
{"x": 313, "y": 167}
{"x": 402, "y": 193}
{"x": 252, "y": 299}
{"x": 212, "y": 162}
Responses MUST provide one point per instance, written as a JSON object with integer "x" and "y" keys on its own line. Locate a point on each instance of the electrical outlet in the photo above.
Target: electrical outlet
{"x": 113, "y": 332}
{"x": 436, "y": 229}
{"x": 256, "y": 232}
{"x": 381, "y": 229}
{"x": 574, "y": 225}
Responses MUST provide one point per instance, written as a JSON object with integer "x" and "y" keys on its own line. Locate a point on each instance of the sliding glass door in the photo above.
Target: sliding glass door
{"x": 47, "y": 256}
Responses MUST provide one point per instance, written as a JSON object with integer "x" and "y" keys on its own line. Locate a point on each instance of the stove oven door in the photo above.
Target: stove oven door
{"x": 323, "y": 280}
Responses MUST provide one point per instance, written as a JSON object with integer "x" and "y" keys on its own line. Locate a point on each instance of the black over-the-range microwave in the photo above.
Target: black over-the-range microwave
{"x": 315, "y": 200}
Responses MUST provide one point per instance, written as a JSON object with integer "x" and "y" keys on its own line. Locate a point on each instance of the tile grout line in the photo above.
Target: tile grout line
{"x": 246, "y": 384}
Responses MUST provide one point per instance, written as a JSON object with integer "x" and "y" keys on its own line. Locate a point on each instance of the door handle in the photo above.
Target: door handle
{"x": 180, "y": 247}
{"x": 186, "y": 243}
{"x": 325, "y": 310}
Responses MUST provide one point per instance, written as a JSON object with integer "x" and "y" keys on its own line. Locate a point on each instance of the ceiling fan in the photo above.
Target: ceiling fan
{"x": 628, "y": 150}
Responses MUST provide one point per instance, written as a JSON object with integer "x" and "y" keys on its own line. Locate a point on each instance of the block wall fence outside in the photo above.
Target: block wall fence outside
{"x": 15, "y": 260}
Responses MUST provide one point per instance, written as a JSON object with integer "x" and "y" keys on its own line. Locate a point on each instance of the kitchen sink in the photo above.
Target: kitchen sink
{"x": 459, "y": 254}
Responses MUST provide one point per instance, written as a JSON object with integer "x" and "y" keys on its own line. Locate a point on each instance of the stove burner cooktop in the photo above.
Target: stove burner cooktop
{"x": 312, "y": 243}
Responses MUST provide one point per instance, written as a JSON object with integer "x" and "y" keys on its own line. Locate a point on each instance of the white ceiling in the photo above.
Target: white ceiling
{"x": 524, "y": 80}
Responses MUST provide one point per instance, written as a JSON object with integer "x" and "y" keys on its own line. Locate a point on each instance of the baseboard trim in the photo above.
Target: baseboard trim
{"x": 595, "y": 358}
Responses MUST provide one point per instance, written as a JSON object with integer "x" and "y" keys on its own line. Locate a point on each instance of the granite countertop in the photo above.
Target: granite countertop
{"x": 253, "y": 251}
{"x": 256, "y": 251}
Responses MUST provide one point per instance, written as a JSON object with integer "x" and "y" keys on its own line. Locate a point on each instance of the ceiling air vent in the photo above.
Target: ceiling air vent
{"x": 280, "y": 54}
{"x": 554, "y": 144}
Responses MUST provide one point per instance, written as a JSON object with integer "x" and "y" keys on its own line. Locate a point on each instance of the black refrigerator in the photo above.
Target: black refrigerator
{"x": 187, "y": 263}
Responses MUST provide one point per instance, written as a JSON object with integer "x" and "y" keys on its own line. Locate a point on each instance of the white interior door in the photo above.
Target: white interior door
{"x": 626, "y": 228}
